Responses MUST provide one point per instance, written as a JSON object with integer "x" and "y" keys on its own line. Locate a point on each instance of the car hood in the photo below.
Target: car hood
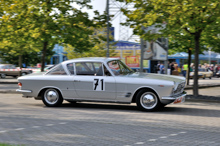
{"x": 157, "y": 76}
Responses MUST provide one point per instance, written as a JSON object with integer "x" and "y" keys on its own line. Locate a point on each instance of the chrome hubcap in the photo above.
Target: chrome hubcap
{"x": 51, "y": 96}
{"x": 148, "y": 100}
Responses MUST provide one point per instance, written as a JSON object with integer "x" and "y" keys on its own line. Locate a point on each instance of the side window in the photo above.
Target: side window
{"x": 70, "y": 67}
{"x": 89, "y": 68}
{"x": 98, "y": 68}
{"x": 57, "y": 71}
{"x": 12, "y": 67}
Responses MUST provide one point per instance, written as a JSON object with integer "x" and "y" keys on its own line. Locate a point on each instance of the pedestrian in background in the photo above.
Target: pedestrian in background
{"x": 158, "y": 67}
{"x": 172, "y": 68}
{"x": 162, "y": 68}
{"x": 185, "y": 67}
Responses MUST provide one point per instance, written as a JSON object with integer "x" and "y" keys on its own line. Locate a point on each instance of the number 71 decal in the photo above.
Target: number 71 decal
{"x": 99, "y": 85}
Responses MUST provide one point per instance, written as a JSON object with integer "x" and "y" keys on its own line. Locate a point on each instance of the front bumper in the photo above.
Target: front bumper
{"x": 179, "y": 98}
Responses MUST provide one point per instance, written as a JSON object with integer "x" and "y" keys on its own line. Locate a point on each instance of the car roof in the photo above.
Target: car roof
{"x": 95, "y": 59}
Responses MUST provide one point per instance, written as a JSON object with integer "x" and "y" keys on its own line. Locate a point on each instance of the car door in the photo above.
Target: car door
{"x": 91, "y": 83}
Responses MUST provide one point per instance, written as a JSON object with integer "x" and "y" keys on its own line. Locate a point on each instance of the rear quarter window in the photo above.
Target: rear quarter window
{"x": 59, "y": 70}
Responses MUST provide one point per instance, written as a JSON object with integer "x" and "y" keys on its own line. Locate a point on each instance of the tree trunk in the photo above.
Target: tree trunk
{"x": 189, "y": 62}
{"x": 43, "y": 55}
{"x": 195, "y": 85}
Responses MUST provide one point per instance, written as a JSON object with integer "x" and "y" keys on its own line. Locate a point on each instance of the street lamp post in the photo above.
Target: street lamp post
{"x": 107, "y": 54}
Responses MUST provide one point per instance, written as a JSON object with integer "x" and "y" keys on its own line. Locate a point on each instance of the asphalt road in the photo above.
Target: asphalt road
{"x": 29, "y": 122}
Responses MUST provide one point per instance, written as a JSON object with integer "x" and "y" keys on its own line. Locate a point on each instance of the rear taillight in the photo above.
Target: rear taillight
{"x": 19, "y": 84}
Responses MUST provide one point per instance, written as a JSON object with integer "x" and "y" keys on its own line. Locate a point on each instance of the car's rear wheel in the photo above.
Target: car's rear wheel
{"x": 3, "y": 76}
{"x": 147, "y": 100}
{"x": 52, "y": 97}
{"x": 210, "y": 77}
{"x": 204, "y": 77}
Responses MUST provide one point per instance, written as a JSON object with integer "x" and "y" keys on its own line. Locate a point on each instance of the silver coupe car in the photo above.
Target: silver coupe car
{"x": 102, "y": 80}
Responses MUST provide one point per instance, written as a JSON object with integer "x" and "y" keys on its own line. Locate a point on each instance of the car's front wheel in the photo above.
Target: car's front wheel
{"x": 23, "y": 73}
{"x": 147, "y": 100}
{"x": 52, "y": 97}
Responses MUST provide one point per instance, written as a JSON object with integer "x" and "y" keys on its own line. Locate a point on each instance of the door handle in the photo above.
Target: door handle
{"x": 76, "y": 80}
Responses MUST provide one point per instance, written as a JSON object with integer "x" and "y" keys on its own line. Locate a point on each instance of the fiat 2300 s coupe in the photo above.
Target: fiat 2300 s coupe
{"x": 102, "y": 80}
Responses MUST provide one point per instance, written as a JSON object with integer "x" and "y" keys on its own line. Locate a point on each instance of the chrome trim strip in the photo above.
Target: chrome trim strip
{"x": 26, "y": 91}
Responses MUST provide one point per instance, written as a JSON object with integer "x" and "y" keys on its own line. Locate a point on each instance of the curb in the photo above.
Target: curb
{"x": 203, "y": 86}
{"x": 8, "y": 82}
{"x": 202, "y": 100}
{"x": 9, "y": 92}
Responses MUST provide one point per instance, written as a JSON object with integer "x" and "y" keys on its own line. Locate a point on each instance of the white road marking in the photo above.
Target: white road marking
{"x": 173, "y": 134}
{"x": 139, "y": 143}
{"x": 49, "y": 124}
{"x": 152, "y": 140}
{"x": 3, "y": 131}
{"x": 62, "y": 123}
{"x": 36, "y": 127}
{"x": 18, "y": 129}
{"x": 163, "y": 137}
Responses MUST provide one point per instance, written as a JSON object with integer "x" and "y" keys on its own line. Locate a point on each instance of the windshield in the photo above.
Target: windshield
{"x": 119, "y": 68}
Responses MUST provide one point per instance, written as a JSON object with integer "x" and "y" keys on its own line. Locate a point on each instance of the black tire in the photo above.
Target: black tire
{"x": 210, "y": 77}
{"x": 3, "y": 76}
{"x": 147, "y": 100}
{"x": 52, "y": 97}
{"x": 23, "y": 73}
{"x": 204, "y": 77}
{"x": 72, "y": 102}
{"x": 15, "y": 76}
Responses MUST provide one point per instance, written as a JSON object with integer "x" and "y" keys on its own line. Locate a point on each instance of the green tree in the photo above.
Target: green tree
{"x": 211, "y": 37}
{"x": 99, "y": 48}
{"x": 191, "y": 16}
{"x": 180, "y": 42}
{"x": 39, "y": 24}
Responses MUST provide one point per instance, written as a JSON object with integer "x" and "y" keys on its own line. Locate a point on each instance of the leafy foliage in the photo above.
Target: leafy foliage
{"x": 36, "y": 25}
{"x": 192, "y": 17}
{"x": 99, "y": 49}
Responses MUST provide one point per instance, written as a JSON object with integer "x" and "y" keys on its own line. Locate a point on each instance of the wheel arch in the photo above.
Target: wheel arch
{"x": 47, "y": 87}
{"x": 144, "y": 88}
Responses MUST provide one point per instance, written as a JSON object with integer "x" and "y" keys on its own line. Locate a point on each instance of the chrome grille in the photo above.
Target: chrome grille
{"x": 180, "y": 88}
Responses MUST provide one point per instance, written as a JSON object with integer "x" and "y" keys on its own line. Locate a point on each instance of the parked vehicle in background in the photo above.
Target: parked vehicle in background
{"x": 191, "y": 75}
{"x": 203, "y": 73}
{"x": 38, "y": 70}
{"x": 206, "y": 73}
{"x": 102, "y": 80}
{"x": 218, "y": 74}
{"x": 11, "y": 70}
